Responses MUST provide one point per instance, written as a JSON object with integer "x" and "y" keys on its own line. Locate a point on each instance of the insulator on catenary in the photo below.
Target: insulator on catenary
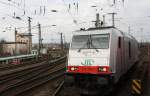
{"x": 69, "y": 6}
{"x": 44, "y": 10}
{"x": 34, "y": 12}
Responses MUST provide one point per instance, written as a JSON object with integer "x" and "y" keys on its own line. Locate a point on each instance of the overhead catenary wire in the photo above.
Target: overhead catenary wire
{"x": 8, "y": 4}
{"x": 12, "y": 23}
{"x": 24, "y": 10}
{"x": 4, "y": 3}
{"x": 12, "y": 5}
{"x": 14, "y": 16}
{"x": 74, "y": 20}
{"x": 22, "y": 6}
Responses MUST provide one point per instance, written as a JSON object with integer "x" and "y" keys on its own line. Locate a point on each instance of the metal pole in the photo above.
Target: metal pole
{"x": 15, "y": 41}
{"x": 61, "y": 41}
{"x": 148, "y": 49}
{"x": 30, "y": 35}
{"x": 103, "y": 20}
{"x": 113, "y": 18}
{"x": 141, "y": 29}
{"x": 40, "y": 39}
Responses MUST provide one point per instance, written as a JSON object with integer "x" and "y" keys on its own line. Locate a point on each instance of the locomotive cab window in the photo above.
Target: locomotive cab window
{"x": 98, "y": 41}
{"x": 79, "y": 41}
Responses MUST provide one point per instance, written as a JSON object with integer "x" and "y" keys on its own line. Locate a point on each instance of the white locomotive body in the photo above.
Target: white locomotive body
{"x": 101, "y": 54}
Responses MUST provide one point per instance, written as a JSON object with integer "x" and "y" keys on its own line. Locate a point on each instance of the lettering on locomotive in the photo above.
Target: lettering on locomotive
{"x": 88, "y": 62}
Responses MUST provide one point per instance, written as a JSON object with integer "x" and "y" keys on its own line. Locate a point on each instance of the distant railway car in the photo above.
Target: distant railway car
{"x": 100, "y": 55}
{"x": 16, "y": 61}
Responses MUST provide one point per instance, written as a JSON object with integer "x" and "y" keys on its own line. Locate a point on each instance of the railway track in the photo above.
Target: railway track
{"x": 58, "y": 89}
{"x": 31, "y": 78}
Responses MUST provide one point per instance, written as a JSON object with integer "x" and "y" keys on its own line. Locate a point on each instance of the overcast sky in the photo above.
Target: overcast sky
{"x": 133, "y": 13}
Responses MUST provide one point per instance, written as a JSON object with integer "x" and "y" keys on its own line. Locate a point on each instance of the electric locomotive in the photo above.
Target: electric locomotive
{"x": 100, "y": 56}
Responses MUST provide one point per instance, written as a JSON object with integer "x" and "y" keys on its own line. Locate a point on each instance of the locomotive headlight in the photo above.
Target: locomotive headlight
{"x": 102, "y": 69}
{"x": 72, "y": 69}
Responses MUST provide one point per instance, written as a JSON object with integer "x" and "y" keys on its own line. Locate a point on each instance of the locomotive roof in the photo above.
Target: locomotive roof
{"x": 82, "y": 31}
{"x": 100, "y": 28}
{"x": 94, "y": 28}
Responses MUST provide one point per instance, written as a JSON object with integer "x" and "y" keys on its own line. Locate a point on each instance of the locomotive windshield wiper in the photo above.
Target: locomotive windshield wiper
{"x": 94, "y": 47}
{"x": 86, "y": 44}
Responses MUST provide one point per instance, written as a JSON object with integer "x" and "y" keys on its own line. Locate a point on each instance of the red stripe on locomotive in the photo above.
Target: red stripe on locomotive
{"x": 89, "y": 69}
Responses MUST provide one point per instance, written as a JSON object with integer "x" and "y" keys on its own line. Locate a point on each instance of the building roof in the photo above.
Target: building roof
{"x": 25, "y": 34}
{"x": 13, "y": 43}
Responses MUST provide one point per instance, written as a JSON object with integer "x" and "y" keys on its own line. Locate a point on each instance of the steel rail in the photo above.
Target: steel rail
{"x": 32, "y": 83}
{"x": 32, "y": 78}
{"x": 58, "y": 89}
{"x": 21, "y": 74}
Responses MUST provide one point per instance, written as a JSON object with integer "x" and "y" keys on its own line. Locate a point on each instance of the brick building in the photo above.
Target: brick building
{"x": 25, "y": 38}
{"x": 13, "y": 48}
